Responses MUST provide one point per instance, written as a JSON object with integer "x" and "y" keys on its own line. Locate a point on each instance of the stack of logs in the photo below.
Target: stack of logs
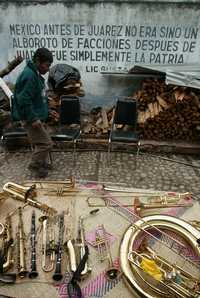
{"x": 168, "y": 112}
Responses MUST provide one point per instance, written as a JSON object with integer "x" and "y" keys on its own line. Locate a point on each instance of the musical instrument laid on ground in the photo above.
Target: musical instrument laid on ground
{"x": 7, "y": 244}
{"x": 21, "y": 254}
{"x": 137, "y": 204}
{"x": 80, "y": 243}
{"x": 28, "y": 195}
{"x": 69, "y": 246}
{"x": 33, "y": 272}
{"x": 59, "y": 249}
{"x": 48, "y": 243}
{"x": 165, "y": 269}
{"x": 6, "y": 252}
{"x": 55, "y": 188}
{"x": 103, "y": 248}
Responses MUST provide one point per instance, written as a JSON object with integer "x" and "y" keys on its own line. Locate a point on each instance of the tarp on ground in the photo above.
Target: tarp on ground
{"x": 180, "y": 75}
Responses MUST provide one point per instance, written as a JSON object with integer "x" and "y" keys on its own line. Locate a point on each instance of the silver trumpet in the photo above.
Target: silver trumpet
{"x": 103, "y": 248}
{"x": 48, "y": 243}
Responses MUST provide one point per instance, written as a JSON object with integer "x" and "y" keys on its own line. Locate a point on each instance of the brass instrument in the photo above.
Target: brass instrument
{"x": 80, "y": 242}
{"x": 137, "y": 204}
{"x": 179, "y": 277}
{"x": 26, "y": 194}
{"x": 103, "y": 248}
{"x": 8, "y": 244}
{"x": 69, "y": 246}
{"x": 33, "y": 272}
{"x": 59, "y": 248}
{"x": 56, "y": 188}
{"x": 6, "y": 252}
{"x": 22, "y": 271}
{"x": 48, "y": 244}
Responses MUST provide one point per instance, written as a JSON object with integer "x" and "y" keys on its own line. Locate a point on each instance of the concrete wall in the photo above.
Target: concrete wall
{"x": 99, "y": 36}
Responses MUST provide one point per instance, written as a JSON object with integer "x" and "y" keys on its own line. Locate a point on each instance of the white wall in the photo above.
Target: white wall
{"x": 101, "y": 36}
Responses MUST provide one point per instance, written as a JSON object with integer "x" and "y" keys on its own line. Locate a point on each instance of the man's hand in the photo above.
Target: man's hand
{"x": 36, "y": 124}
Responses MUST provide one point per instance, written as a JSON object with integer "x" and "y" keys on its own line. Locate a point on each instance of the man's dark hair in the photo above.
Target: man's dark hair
{"x": 43, "y": 55}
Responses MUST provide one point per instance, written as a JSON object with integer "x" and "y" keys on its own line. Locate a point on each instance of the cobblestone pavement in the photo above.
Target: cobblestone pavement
{"x": 152, "y": 171}
{"x": 167, "y": 172}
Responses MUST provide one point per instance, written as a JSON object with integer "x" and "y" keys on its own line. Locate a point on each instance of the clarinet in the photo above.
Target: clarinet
{"x": 33, "y": 272}
{"x": 57, "y": 274}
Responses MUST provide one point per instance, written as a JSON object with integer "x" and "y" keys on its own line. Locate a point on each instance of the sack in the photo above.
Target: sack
{"x": 59, "y": 74}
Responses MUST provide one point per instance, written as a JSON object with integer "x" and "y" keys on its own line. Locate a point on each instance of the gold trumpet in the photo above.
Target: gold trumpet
{"x": 48, "y": 244}
{"x": 27, "y": 194}
{"x": 183, "y": 270}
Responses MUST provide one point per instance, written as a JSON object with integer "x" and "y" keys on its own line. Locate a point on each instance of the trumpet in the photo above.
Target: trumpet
{"x": 27, "y": 194}
{"x": 22, "y": 271}
{"x": 103, "y": 248}
{"x": 48, "y": 244}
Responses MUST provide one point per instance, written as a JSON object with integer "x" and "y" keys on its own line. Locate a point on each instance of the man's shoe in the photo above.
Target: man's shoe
{"x": 48, "y": 166}
{"x": 41, "y": 173}
{"x": 33, "y": 166}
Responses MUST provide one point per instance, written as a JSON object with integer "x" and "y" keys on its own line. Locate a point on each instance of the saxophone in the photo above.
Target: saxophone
{"x": 8, "y": 245}
{"x": 6, "y": 252}
{"x": 22, "y": 271}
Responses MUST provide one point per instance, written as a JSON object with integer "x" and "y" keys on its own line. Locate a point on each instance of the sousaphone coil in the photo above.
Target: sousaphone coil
{"x": 182, "y": 262}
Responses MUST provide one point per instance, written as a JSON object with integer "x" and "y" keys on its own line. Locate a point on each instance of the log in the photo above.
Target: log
{"x": 11, "y": 65}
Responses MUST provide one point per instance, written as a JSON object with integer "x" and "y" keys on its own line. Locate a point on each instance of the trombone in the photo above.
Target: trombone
{"x": 169, "y": 276}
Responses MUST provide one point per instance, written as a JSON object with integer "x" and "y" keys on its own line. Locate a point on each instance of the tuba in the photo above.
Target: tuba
{"x": 166, "y": 269}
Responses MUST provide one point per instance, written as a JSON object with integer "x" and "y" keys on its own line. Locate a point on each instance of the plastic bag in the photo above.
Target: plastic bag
{"x": 59, "y": 74}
